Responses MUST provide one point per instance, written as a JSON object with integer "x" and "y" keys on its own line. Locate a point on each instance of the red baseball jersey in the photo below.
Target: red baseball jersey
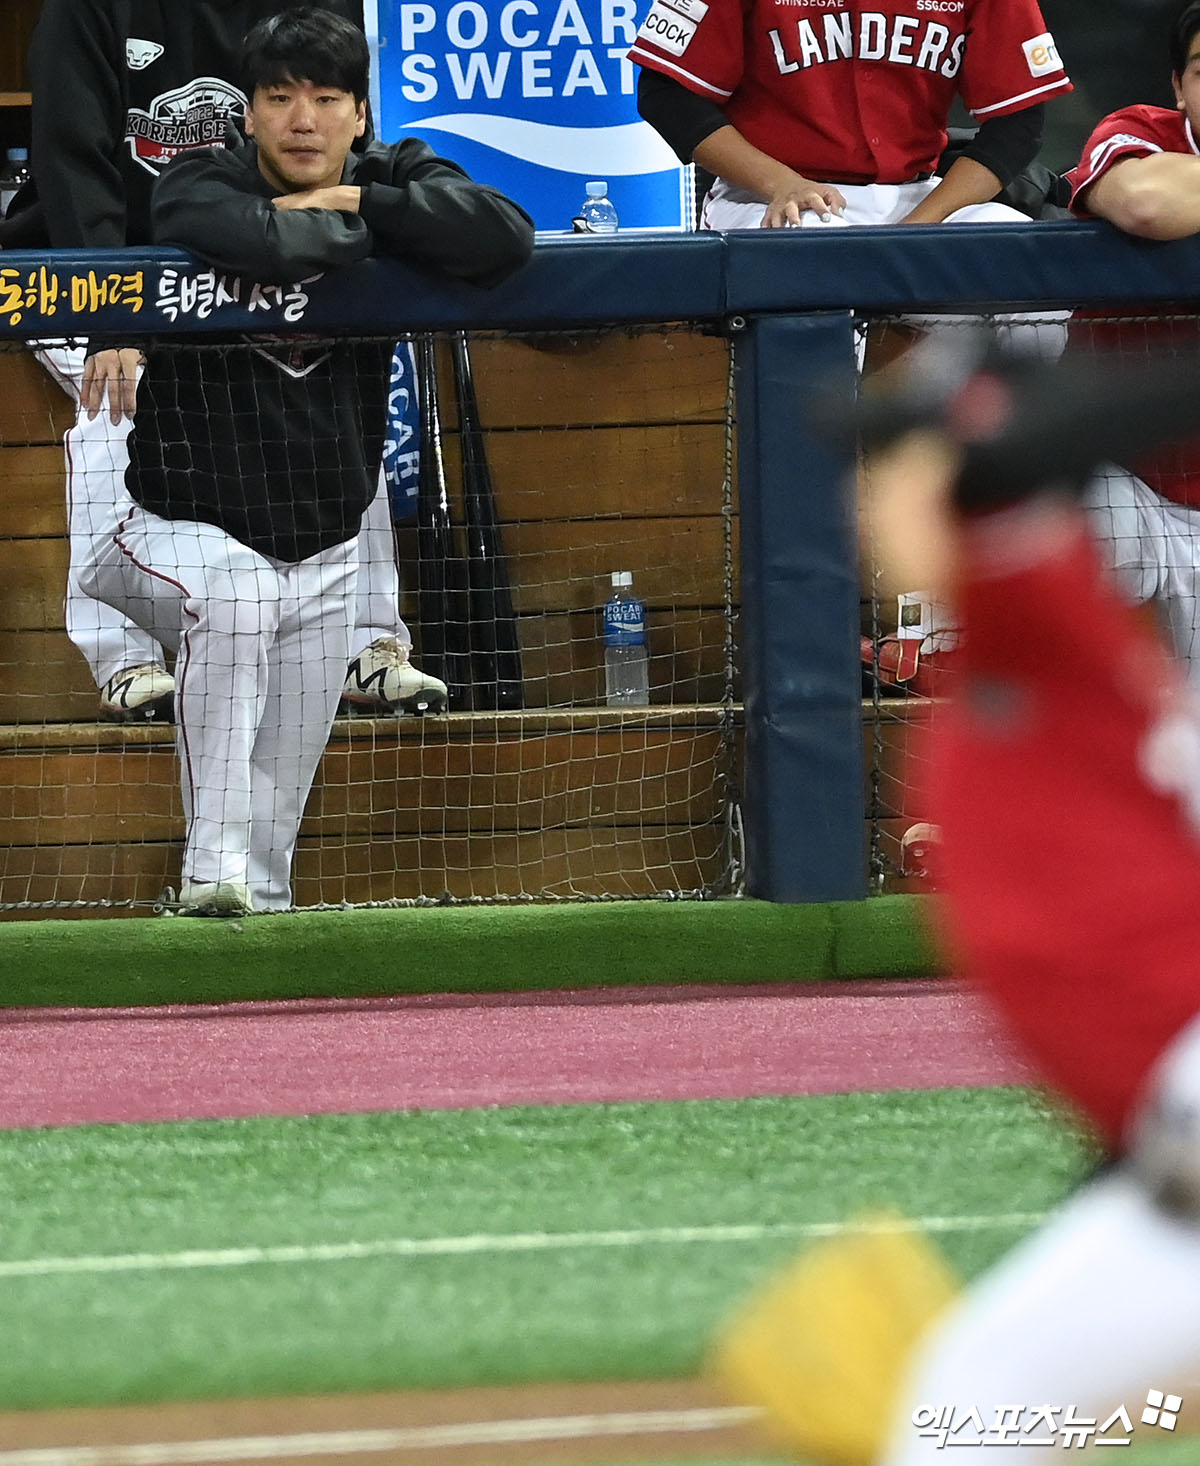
{"x": 1069, "y": 813}
{"x": 1137, "y": 132}
{"x": 1133, "y": 132}
{"x": 854, "y": 93}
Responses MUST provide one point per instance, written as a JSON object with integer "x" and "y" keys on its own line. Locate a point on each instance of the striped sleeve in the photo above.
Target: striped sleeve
{"x": 697, "y": 43}
{"x": 1126, "y": 134}
{"x": 1011, "y": 60}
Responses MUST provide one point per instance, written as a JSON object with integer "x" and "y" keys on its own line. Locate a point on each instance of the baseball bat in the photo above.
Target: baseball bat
{"x": 441, "y": 588}
{"x": 495, "y": 647}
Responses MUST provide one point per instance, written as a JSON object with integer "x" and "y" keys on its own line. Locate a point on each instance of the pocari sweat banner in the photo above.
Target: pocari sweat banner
{"x": 535, "y": 97}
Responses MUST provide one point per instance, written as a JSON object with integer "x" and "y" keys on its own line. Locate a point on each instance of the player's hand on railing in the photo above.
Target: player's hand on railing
{"x": 344, "y": 197}
{"x": 110, "y": 378}
{"x": 798, "y": 196}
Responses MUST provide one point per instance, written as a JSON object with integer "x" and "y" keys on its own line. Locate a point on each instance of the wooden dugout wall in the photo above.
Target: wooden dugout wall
{"x": 608, "y": 450}
{"x": 801, "y": 671}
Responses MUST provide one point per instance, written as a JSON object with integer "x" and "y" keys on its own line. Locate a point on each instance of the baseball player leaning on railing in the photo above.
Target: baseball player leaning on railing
{"x": 251, "y": 466}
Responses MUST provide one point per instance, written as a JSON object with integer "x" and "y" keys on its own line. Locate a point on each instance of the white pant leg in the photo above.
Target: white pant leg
{"x": 729, "y": 207}
{"x": 1154, "y": 547}
{"x": 97, "y": 455}
{"x": 1129, "y": 521}
{"x": 377, "y": 608}
{"x": 200, "y": 592}
{"x": 1181, "y": 594}
{"x": 986, "y": 213}
{"x": 1100, "y": 1305}
{"x": 1043, "y": 334}
{"x": 306, "y": 670}
{"x": 1032, "y": 333}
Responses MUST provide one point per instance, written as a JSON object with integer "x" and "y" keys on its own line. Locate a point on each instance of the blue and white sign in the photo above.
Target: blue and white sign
{"x": 402, "y": 441}
{"x": 535, "y": 97}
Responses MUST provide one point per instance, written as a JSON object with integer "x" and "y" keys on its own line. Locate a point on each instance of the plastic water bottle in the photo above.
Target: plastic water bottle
{"x": 597, "y": 213}
{"x": 626, "y": 662}
{"x": 14, "y": 174}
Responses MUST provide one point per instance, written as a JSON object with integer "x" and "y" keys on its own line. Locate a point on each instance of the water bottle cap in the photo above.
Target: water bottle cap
{"x": 597, "y": 190}
{"x": 622, "y": 577}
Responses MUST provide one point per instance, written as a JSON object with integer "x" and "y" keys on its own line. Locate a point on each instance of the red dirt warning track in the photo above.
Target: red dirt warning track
{"x": 79, "y": 1066}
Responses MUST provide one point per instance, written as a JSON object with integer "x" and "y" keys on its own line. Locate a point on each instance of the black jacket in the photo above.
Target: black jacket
{"x": 278, "y": 442}
{"x": 119, "y": 87}
{"x": 415, "y": 206}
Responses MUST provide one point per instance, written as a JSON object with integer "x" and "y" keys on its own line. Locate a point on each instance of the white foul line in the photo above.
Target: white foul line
{"x": 480, "y": 1243}
{"x": 364, "y": 1442}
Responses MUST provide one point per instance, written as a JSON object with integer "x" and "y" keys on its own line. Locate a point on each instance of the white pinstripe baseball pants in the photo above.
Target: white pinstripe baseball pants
{"x": 261, "y": 650}
{"x": 97, "y": 457}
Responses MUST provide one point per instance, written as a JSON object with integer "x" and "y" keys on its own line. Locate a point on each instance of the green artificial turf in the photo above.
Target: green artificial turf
{"x": 487, "y": 1313}
{"x": 366, "y": 953}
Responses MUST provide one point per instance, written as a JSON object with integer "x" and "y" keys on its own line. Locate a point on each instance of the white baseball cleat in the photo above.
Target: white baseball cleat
{"x": 139, "y": 694}
{"x": 381, "y": 680}
{"x": 214, "y": 898}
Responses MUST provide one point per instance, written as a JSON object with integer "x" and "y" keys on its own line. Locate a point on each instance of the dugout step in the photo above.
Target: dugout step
{"x": 573, "y": 802}
{"x": 30, "y": 737}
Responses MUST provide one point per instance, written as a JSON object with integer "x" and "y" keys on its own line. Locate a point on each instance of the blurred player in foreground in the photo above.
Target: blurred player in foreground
{"x": 1066, "y": 781}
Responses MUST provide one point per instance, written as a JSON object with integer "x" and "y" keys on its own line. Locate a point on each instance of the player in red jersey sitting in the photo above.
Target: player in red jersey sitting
{"x": 812, "y": 115}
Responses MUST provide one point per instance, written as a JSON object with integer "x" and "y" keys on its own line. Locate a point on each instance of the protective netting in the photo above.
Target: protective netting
{"x": 1146, "y": 518}
{"x": 604, "y": 451}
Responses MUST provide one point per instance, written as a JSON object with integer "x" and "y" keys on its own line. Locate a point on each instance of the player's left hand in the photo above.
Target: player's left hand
{"x": 343, "y": 197}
